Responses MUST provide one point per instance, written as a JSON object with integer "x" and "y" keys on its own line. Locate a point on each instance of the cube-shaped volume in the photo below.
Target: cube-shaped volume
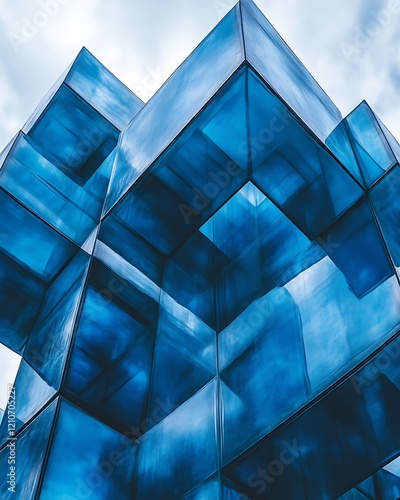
{"x": 60, "y": 164}
{"x": 386, "y": 202}
{"x": 111, "y": 359}
{"x": 48, "y": 345}
{"x": 364, "y": 145}
{"x": 293, "y": 168}
{"x": 32, "y": 254}
{"x": 335, "y": 445}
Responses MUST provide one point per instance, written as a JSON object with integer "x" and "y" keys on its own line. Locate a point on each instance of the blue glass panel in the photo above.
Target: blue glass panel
{"x": 189, "y": 278}
{"x": 355, "y": 246}
{"x": 267, "y": 380}
{"x": 295, "y": 170}
{"x": 274, "y": 61}
{"x": 391, "y": 140}
{"x": 181, "y": 451}
{"x": 117, "y": 241}
{"x": 20, "y": 297}
{"x": 21, "y": 231}
{"x": 72, "y": 208}
{"x": 274, "y": 288}
{"x": 87, "y": 459}
{"x": 194, "y": 176}
{"x": 354, "y": 494}
{"x": 384, "y": 485}
{"x": 48, "y": 346}
{"x": 333, "y": 446}
{"x": 388, "y": 480}
{"x": 30, "y": 452}
{"x": 100, "y": 88}
{"x": 128, "y": 271}
{"x": 370, "y": 145}
{"x": 339, "y": 143}
{"x": 185, "y": 356}
{"x": 177, "y": 102}
{"x": 386, "y": 203}
{"x": 73, "y": 136}
{"x": 6, "y": 150}
{"x": 230, "y": 491}
{"x": 248, "y": 233}
{"x": 31, "y": 394}
{"x": 389, "y": 485}
{"x": 208, "y": 490}
{"x": 111, "y": 359}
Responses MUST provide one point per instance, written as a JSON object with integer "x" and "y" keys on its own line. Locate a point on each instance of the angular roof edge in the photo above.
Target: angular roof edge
{"x": 243, "y": 35}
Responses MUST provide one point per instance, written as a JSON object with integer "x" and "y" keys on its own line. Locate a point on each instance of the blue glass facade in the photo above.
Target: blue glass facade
{"x": 204, "y": 289}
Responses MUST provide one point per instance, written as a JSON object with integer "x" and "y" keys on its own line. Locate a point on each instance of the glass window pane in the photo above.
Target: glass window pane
{"x": 87, "y": 458}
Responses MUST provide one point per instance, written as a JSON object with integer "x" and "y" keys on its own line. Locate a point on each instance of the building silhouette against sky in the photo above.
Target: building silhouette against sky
{"x": 204, "y": 289}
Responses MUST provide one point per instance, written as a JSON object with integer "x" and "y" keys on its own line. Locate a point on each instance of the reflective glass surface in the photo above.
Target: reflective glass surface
{"x": 203, "y": 290}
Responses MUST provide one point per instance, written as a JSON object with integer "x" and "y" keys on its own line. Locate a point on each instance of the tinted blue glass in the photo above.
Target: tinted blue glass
{"x": 20, "y": 297}
{"x": 370, "y": 145}
{"x": 87, "y": 458}
{"x": 45, "y": 188}
{"x": 340, "y": 144}
{"x": 336, "y": 444}
{"x": 385, "y": 485}
{"x": 228, "y": 309}
{"x": 274, "y": 288}
{"x": 48, "y": 346}
{"x": 32, "y": 254}
{"x": 100, "y": 88}
{"x": 274, "y": 61}
{"x": 45, "y": 353}
{"x": 181, "y": 451}
{"x": 192, "y": 178}
{"x": 296, "y": 171}
{"x": 386, "y": 203}
{"x": 209, "y": 489}
{"x": 31, "y": 394}
{"x": 177, "y": 102}
{"x": 204, "y": 166}
{"x": 30, "y": 452}
{"x": 112, "y": 353}
{"x": 185, "y": 355}
{"x": 391, "y": 140}
{"x": 355, "y": 246}
{"x": 73, "y": 136}
{"x": 117, "y": 241}
{"x": 21, "y": 231}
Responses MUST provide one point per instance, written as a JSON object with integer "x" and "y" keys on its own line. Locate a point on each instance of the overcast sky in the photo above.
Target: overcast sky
{"x": 351, "y": 55}
{"x": 352, "y": 48}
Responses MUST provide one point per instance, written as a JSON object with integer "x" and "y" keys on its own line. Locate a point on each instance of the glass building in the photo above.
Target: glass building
{"x": 204, "y": 290}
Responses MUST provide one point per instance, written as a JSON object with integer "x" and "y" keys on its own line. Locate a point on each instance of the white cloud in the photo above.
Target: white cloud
{"x": 135, "y": 39}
